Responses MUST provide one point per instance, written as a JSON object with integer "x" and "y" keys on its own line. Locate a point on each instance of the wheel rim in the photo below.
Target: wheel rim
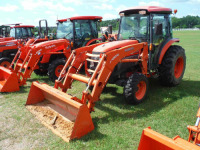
{"x": 178, "y": 69}
{"x": 58, "y": 70}
{"x": 140, "y": 93}
{"x": 5, "y": 64}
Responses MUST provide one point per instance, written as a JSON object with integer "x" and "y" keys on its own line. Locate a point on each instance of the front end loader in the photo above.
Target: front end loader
{"x": 151, "y": 140}
{"x": 143, "y": 49}
{"x": 48, "y": 103}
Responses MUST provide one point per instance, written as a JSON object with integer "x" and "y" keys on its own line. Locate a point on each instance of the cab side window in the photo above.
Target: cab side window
{"x": 83, "y": 32}
{"x": 12, "y": 32}
{"x": 160, "y": 28}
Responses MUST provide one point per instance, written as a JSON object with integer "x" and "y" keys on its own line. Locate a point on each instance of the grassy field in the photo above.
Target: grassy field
{"x": 117, "y": 125}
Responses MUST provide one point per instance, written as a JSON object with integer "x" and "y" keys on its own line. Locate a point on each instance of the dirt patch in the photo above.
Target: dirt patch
{"x": 50, "y": 118}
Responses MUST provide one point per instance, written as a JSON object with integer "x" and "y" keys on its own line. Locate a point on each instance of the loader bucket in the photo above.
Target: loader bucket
{"x": 8, "y": 80}
{"x": 151, "y": 140}
{"x": 57, "y": 110}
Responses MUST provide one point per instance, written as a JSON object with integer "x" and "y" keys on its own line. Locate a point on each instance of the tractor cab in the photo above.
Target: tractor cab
{"x": 21, "y": 31}
{"x": 4, "y": 31}
{"x": 150, "y": 24}
{"x": 78, "y": 30}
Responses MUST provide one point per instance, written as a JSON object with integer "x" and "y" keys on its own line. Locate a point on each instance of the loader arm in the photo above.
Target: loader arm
{"x": 27, "y": 59}
{"x": 101, "y": 74}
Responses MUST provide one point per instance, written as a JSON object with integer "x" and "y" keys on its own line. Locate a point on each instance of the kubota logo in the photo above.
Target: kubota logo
{"x": 114, "y": 58}
{"x": 51, "y": 46}
{"x": 39, "y": 52}
{"x": 10, "y": 44}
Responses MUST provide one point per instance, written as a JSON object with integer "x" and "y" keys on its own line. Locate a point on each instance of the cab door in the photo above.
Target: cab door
{"x": 161, "y": 32}
{"x": 83, "y": 33}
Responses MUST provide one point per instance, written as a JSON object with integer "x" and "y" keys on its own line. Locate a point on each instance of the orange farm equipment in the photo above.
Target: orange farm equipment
{"x": 9, "y": 45}
{"x": 27, "y": 59}
{"x": 78, "y": 31}
{"x": 151, "y": 140}
{"x": 194, "y": 131}
{"x": 50, "y": 55}
{"x": 143, "y": 49}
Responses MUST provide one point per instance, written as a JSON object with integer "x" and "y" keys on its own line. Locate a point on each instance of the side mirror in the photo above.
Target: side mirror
{"x": 158, "y": 29}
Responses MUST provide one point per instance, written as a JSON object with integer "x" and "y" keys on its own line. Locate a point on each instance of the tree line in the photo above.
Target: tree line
{"x": 184, "y": 22}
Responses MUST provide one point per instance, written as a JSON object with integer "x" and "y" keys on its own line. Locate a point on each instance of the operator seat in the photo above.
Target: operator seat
{"x": 86, "y": 35}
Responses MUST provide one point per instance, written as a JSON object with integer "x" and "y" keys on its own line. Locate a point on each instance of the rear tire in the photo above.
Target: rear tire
{"x": 5, "y": 62}
{"x": 55, "y": 68}
{"x": 136, "y": 88}
{"x": 172, "y": 68}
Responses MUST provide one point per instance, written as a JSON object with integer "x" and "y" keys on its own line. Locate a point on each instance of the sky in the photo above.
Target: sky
{"x": 29, "y": 12}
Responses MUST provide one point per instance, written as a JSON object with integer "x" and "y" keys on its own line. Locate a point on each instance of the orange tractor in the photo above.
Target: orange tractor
{"x": 49, "y": 56}
{"x": 144, "y": 49}
{"x": 9, "y": 45}
{"x": 151, "y": 140}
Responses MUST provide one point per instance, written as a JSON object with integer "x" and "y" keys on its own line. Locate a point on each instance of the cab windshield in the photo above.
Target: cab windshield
{"x": 134, "y": 26}
{"x": 21, "y": 32}
{"x": 65, "y": 30}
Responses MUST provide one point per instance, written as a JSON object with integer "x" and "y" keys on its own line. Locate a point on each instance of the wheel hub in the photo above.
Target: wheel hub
{"x": 140, "y": 93}
{"x": 178, "y": 69}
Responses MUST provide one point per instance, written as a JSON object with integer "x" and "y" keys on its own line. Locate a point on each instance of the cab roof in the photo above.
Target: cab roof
{"x": 23, "y": 26}
{"x": 149, "y": 9}
{"x": 81, "y": 18}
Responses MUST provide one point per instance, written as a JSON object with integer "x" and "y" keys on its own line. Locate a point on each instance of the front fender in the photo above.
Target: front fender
{"x": 165, "y": 48}
{"x": 92, "y": 40}
{"x": 54, "y": 46}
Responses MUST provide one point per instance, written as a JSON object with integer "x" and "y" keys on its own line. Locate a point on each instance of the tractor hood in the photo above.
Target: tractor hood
{"x": 6, "y": 45}
{"x": 51, "y": 46}
{"x": 6, "y": 39}
{"x": 113, "y": 45}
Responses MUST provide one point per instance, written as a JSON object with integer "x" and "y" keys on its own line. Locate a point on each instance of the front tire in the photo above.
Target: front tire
{"x": 55, "y": 69}
{"x": 172, "y": 68}
{"x": 136, "y": 88}
{"x": 5, "y": 62}
{"x": 40, "y": 72}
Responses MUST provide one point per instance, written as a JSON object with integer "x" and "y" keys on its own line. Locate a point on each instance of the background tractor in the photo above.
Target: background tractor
{"x": 78, "y": 31}
{"x": 49, "y": 56}
{"x": 9, "y": 46}
{"x": 4, "y": 31}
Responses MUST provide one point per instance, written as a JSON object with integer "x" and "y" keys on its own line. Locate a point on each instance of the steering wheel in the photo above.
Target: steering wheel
{"x": 67, "y": 34}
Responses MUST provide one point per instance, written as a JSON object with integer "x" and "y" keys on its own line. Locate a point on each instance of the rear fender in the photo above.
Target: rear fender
{"x": 165, "y": 47}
